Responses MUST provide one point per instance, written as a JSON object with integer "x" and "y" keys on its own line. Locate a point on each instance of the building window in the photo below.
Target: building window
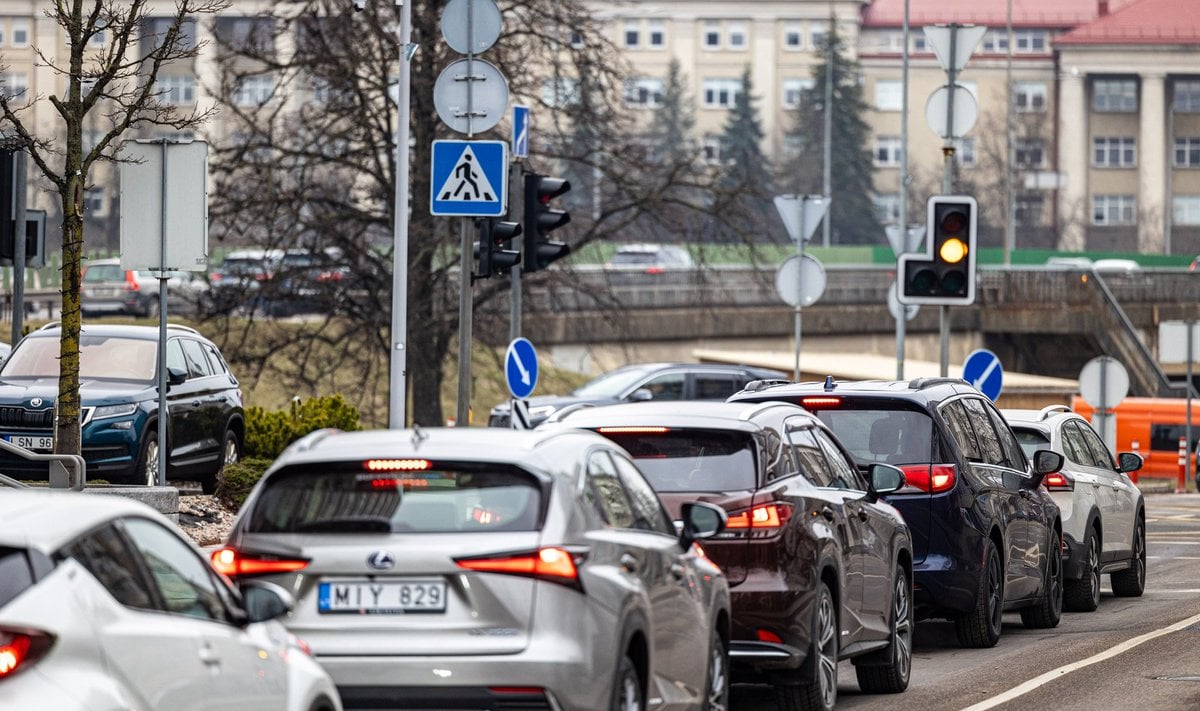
{"x": 1187, "y": 96}
{"x": 712, "y": 34}
{"x": 576, "y": 39}
{"x": 887, "y": 151}
{"x": 964, "y": 152}
{"x": 644, "y": 93}
{"x": 712, "y": 150}
{"x": 721, "y": 93}
{"x": 1186, "y": 209}
{"x": 889, "y": 95}
{"x": 816, "y": 34}
{"x": 633, "y": 33}
{"x": 1114, "y": 95}
{"x": 1114, "y": 152}
{"x": 14, "y": 84}
{"x": 254, "y": 90}
{"x": 176, "y": 90}
{"x": 97, "y": 39}
{"x": 995, "y": 42}
{"x": 1113, "y": 209}
{"x": 20, "y": 32}
{"x": 887, "y": 208}
{"x": 736, "y": 32}
{"x": 93, "y": 202}
{"x": 1030, "y": 41}
{"x": 1187, "y": 151}
{"x": 793, "y": 36}
{"x": 657, "y": 34}
{"x": 1030, "y": 209}
{"x": 559, "y": 93}
{"x": 1030, "y": 96}
{"x": 1030, "y": 153}
{"x": 920, "y": 43}
{"x": 793, "y": 91}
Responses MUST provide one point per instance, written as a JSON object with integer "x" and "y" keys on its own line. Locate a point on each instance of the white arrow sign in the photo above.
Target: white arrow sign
{"x": 790, "y": 207}
{"x": 965, "y": 43}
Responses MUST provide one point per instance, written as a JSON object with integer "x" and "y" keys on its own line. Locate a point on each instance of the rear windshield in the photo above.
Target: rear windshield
{"x": 440, "y": 499}
{"x": 878, "y": 435}
{"x": 693, "y": 460}
{"x": 1031, "y": 440}
{"x": 16, "y": 574}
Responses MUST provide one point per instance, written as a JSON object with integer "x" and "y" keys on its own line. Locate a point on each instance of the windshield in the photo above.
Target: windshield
{"x": 693, "y": 460}
{"x": 889, "y": 436}
{"x": 612, "y": 384}
{"x": 105, "y": 357}
{"x": 1031, "y": 440}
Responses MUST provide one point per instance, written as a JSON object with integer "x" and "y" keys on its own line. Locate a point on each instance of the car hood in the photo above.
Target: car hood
{"x": 22, "y": 391}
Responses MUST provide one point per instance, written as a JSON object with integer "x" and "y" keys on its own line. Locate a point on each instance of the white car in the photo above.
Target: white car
{"x": 104, "y": 604}
{"x": 1103, "y": 513}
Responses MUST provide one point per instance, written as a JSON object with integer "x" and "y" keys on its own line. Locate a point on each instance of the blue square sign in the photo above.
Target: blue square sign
{"x": 470, "y": 179}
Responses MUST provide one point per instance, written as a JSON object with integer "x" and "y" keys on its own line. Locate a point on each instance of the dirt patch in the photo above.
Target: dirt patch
{"x": 205, "y": 519}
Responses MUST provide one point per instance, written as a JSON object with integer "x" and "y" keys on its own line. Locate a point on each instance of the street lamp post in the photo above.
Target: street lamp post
{"x": 398, "y": 376}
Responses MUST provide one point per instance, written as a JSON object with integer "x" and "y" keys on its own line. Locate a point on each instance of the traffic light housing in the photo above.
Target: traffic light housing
{"x": 541, "y": 219}
{"x": 945, "y": 274}
{"x": 493, "y": 250}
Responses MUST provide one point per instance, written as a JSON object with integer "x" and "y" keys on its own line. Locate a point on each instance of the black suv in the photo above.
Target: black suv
{"x": 987, "y": 537}
{"x": 118, "y": 389}
{"x": 645, "y": 381}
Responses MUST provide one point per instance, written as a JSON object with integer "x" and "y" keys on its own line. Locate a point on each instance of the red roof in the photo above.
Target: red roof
{"x": 1142, "y": 22}
{"x": 994, "y": 13}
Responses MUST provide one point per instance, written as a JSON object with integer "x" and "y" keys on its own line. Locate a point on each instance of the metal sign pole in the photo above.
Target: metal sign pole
{"x": 799, "y": 253}
{"x": 463, "y": 415}
{"x": 19, "y": 255}
{"x": 163, "y": 412}
{"x": 948, "y": 146}
{"x": 1191, "y": 472}
{"x": 901, "y": 322}
{"x": 398, "y": 366}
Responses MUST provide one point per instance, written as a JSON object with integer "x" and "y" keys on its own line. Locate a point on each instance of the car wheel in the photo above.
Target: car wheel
{"x": 817, "y": 692}
{"x": 1047, "y": 611}
{"x": 1131, "y": 582}
{"x": 628, "y": 694}
{"x": 147, "y": 464}
{"x": 717, "y": 696}
{"x": 151, "y": 307}
{"x": 231, "y": 453}
{"x": 980, "y": 627}
{"x": 1083, "y": 595}
{"x": 892, "y": 676}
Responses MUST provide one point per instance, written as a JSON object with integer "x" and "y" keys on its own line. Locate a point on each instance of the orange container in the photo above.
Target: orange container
{"x": 1152, "y": 427}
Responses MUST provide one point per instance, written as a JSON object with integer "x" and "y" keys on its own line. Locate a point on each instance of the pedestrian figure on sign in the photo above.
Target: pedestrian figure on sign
{"x": 465, "y": 172}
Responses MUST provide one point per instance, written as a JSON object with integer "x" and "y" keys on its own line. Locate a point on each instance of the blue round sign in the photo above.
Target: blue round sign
{"x": 521, "y": 368}
{"x": 982, "y": 369}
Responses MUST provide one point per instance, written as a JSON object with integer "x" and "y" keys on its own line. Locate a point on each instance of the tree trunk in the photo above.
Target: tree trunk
{"x": 67, "y": 429}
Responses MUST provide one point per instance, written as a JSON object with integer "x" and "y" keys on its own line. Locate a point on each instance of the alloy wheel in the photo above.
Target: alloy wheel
{"x": 150, "y": 465}
{"x": 718, "y": 685}
{"x": 902, "y": 643}
{"x": 827, "y": 662}
{"x": 1094, "y": 567}
{"x": 995, "y": 603}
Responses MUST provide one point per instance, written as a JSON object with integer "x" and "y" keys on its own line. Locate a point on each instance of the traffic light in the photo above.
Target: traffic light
{"x": 945, "y": 274}
{"x": 541, "y": 219}
{"x": 493, "y": 249}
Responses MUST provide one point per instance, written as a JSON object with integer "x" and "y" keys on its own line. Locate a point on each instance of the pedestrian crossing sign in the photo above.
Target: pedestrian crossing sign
{"x": 469, "y": 179}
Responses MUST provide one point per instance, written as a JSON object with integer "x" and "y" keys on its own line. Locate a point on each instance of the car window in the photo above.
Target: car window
{"x": 845, "y": 475}
{"x": 691, "y": 459}
{"x": 668, "y": 386}
{"x": 1013, "y": 455}
{"x": 777, "y": 459}
{"x": 713, "y": 386}
{"x": 985, "y": 433}
{"x": 215, "y": 362}
{"x": 606, "y": 493}
{"x": 175, "y": 357}
{"x": 1099, "y": 450}
{"x": 1031, "y": 440}
{"x": 182, "y": 578}
{"x": 959, "y": 424}
{"x": 1074, "y": 447}
{"x": 197, "y": 363}
{"x": 106, "y": 556}
{"x": 813, "y": 463}
{"x": 891, "y": 436}
{"x": 100, "y": 356}
{"x": 648, "y": 511}
{"x": 103, "y": 272}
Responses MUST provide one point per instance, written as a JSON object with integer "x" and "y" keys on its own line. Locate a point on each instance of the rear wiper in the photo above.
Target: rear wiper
{"x": 349, "y": 524}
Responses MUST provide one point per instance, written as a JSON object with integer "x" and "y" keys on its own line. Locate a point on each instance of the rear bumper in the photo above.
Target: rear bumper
{"x": 454, "y": 697}
{"x": 765, "y": 603}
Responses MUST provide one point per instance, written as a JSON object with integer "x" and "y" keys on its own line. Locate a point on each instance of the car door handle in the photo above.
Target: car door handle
{"x": 209, "y": 656}
{"x": 195, "y": 403}
{"x": 629, "y": 563}
{"x": 678, "y": 571}
{"x": 862, "y": 516}
{"x": 828, "y": 513}
{"x": 1024, "y": 494}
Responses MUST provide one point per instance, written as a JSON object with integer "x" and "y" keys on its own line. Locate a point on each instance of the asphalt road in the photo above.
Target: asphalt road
{"x": 1132, "y": 653}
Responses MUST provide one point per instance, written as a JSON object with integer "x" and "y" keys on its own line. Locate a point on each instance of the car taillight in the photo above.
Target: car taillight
{"x": 655, "y": 270}
{"x": 131, "y": 280}
{"x": 1058, "y": 482}
{"x": 235, "y": 563}
{"x": 553, "y": 564}
{"x": 818, "y": 402}
{"x": 765, "y": 518}
{"x": 765, "y": 635}
{"x": 930, "y": 478}
{"x": 20, "y": 648}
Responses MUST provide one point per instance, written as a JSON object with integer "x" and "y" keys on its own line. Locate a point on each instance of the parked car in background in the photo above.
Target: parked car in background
{"x": 108, "y": 289}
{"x": 278, "y": 282}
{"x": 1103, "y": 513}
{"x": 650, "y": 258}
{"x": 819, "y": 567}
{"x": 1195, "y": 265}
{"x": 119, "y": 393}
{"x": 643, "y": 382}
{"x": 104, "y": 604}
{"x": 1081, "y": 262}
{"x": 467, "y": 550}
{"x": 1116, "y": 266}
{"x": 987, "y": 536}
{"x": 235, "y": 283}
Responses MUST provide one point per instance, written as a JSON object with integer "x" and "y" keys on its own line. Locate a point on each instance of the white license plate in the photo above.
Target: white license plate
{"x": 382, "y": 598}
{"x": 31, "y": 442}
{"x": 100, "y": 291}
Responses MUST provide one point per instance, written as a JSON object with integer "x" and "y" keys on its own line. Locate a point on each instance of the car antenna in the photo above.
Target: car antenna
{"x": 829, "y": 384}
{"x": 418, "y": 436}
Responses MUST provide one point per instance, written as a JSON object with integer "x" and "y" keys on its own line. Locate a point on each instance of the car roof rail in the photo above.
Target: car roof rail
{"x": 759, "y": 385}
{"x": 559, "y": 414}
{"x": 52, "y": 324}
{"x": 1052, "y": 410}
{"x": 927, "y": 382}
{"x": 181, "y": 327}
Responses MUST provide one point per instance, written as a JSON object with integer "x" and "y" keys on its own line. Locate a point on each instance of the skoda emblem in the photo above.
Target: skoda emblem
{"x": 35, "y": 402}
{"x": 381, "y": 560}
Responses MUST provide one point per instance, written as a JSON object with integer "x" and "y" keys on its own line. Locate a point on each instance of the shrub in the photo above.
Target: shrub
{"x": 269, "y": 433}
{"x": 236, "y": 480}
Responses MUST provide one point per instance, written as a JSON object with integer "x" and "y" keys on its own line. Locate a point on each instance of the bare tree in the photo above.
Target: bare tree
{"x": 111, "y": 67}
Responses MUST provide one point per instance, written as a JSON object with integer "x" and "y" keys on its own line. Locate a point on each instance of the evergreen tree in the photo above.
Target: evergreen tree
{"x": 674, "y": 121}
{"x": 852, "y": 212}
{"x": 744, "y": 187}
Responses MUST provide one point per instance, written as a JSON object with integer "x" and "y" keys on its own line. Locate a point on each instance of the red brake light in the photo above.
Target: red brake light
{"x": 20, "y": 648}
{"x": 655, "y": 270}
{"x": 633, "y": 430}
{"x": 234, "y": 563}
{"x": 1058, "y": 482}
{"x": 762, "y": 517}
{"x": 819, "y": 402}
{"x": 131, "y": 280}
{"x": 553, "y": 564}
{"x": 768, "y": 636}
{"x": 397, "y": 465}
{"x": 930, "y": 478}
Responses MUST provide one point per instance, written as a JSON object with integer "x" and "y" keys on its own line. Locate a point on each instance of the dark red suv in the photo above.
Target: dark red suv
{"x": 819, "y": 568}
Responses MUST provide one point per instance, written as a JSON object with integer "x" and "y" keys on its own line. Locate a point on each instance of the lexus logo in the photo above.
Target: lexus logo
{"x": 381, "y": 560}
{"x": 35, "y": 402}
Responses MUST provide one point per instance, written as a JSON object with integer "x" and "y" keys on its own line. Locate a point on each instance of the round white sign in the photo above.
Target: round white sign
{"x": 470, "y": 104}
{"x": 481, "y": 16}
{"x": 894, "y": 305}
{"x": 1103, "y": 382}
{"x": 800, "y": 281}
{"x": 966, "y": 111}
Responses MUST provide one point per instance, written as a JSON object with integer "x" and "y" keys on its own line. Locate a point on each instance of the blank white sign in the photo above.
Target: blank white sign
{"x": 186, "y": 206}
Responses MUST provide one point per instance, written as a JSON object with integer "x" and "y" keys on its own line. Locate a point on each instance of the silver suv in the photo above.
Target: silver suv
{"x": 1103, "y": 514}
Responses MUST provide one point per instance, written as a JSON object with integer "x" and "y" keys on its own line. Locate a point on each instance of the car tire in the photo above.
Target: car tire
{"x": 716, "y": 686}
{"x": 146, "y": 469}
{"x": 231, "y": 453}
{"x": 1131, "y": 582}
{"x": 152, "y": 307}
{"x": 980, "y": 628}
{"x": 818, "y": 690}
{"x": 1083, "y": 595}
{"x": 891, "y": 677}
{"x": 629, "y": 692}
{"x": 1047, "y": 611}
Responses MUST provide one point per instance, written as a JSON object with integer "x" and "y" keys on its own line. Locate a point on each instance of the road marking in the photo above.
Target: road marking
{"x": 1042, "y": 680}
{"x": 1172, "y": 557}
{"x": 1166, "y": 541}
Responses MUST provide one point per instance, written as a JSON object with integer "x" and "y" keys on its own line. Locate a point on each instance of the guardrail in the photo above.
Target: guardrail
{"x": 71, "y": 472}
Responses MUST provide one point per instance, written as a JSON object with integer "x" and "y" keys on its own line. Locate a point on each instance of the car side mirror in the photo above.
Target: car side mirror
{"x": 176, "y": 376}
{"x": 1045, "y": 461}
{"x": 1129, "y": 462}
{"x": 701, "y": 520}
{"x": 883, "y": 479}
{"x": 641, "y": 395}
{"x": 262, "y": 600}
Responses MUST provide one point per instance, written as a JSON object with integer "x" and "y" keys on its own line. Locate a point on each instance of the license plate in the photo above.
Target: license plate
{"x": 31, "y": 442}
{"x": 382, "y": 598}
{"x": 100, "y": 291}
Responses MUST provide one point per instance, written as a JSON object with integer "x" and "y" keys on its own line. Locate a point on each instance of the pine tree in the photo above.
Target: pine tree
{"x": 674, "y": 121}
{"x": 852, "y": 213}
{"x": 744, "y": 187}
